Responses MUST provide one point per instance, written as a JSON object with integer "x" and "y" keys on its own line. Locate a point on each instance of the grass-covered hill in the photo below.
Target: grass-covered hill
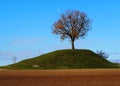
{"x": 64, "y": 59}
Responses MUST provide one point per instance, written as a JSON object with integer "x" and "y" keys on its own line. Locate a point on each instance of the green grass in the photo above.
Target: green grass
{"x": 64, "y": 59}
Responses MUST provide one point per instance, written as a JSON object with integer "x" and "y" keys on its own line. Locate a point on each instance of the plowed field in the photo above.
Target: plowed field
{"x": 83, "y": 77}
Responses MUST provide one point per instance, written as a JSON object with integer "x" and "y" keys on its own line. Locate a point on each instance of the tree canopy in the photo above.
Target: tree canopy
{"x": 73, "y": 25}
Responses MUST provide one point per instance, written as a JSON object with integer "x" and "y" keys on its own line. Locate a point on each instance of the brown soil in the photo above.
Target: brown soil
{"x": 83, "y": 77}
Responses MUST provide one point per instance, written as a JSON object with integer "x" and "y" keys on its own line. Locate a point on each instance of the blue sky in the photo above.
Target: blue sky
{"x": 26, "y": 27}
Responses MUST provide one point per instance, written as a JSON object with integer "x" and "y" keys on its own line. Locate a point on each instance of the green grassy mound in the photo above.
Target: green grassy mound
{"x": 64, "y": 59}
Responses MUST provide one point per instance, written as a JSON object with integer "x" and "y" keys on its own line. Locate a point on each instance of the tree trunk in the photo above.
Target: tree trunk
{"x": 72, "y": 44}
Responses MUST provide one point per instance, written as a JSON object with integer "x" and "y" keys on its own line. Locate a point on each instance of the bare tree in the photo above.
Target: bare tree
{"x": 103, "y": 54}
{"x": 14, "y": 59}
{"x": 72, "y": 25}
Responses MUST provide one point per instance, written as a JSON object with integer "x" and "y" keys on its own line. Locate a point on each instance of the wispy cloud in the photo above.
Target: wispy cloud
{"x": 21, "y": 54}
{"x": 21, "y": 44}
{"x": 58, "y": 10}
{"x": 26, "y": 41}
{"x": 6, "y": 57}
{"x": 114, "y": 53}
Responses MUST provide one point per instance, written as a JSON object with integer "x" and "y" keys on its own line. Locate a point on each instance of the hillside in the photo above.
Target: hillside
{"x": 64, "y": 59}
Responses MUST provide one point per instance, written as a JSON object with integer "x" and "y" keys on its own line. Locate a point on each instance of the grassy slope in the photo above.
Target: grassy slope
{"x": 63, "y": 59}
